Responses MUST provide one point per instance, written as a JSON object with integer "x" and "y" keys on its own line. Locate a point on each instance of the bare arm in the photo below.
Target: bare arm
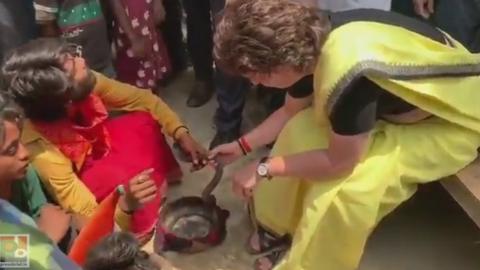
{"x": 263, "y": 134}
{"x": 122, "y": 19}
{"x": 341, "y": 157}
{"x": 158, "y": 11}
{"x": 269, "y": 129}
{"x": 49, "y": 29}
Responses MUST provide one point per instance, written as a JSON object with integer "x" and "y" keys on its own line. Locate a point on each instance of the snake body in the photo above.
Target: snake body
{"x": 191, "y": 218}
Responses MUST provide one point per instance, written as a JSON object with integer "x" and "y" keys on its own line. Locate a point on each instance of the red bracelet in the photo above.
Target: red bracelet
{"x": 241, "y": 148}
{"x": 245, "y": 144}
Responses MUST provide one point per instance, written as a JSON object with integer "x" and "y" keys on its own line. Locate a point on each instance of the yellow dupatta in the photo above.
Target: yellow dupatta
{"x": 416, "y": 68}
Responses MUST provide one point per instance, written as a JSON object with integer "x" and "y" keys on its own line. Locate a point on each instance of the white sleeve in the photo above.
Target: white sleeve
{"x": 341, "y": 5}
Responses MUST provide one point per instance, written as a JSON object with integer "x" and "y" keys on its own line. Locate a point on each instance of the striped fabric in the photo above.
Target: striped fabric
{"x": 42, "y": 252}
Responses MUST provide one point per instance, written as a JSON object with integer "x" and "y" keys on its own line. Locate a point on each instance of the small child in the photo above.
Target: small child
{"x": 120, "y": 251}
{"x": 141, "y": 54}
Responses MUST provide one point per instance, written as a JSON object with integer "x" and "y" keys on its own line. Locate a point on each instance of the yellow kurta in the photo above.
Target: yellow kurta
{"x": 56, "y": 170}
{"x": 331, "y": 219}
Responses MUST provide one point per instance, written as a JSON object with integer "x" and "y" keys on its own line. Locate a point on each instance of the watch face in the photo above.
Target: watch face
{"x": 262, "y": 170}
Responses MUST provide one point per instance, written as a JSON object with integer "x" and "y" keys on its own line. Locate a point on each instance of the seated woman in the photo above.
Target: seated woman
{"x": 20, "y": 184}
{"x": 395, "y": 105}
{"x": 80, "y": 154}
{"x": 22, "y": 203}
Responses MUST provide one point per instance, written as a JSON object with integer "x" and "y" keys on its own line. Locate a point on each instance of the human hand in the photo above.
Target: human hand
{"x": 226, "y": 153}
{"x": 140, "y": 46}
{"x": 196, "y": 153}
{"x": 140, "y": 190}
{"x": 245, "y": 181}
{"x": 54, "y": 222}
{"x": 79, "y": 221}
{"x": 424, "y": 8}
{"x": 158, "y": 12}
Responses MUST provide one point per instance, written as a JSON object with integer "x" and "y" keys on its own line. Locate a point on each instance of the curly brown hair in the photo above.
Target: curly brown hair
{"x": 259, "y": 35}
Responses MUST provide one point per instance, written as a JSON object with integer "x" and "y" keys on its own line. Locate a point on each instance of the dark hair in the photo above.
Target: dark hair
{"x": 259, "y": 36}
{"x": 35, "y": 76}
{"x": 118, "y": 251}
{"x": 10, "y": 112}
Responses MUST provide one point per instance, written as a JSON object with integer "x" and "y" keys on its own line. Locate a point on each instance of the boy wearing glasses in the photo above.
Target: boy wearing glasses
{"x": 81, "y": 22}
{"x": 80, "y": 153}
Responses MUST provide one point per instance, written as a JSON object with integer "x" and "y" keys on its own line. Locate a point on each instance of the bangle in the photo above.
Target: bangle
{"x": 174, "y": 133}
{"x": 241, "y": 147}
{"x": 245, "y": 144}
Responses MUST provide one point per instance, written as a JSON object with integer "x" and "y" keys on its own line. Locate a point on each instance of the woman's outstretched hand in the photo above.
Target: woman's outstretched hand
{"x": 225, "y": 153}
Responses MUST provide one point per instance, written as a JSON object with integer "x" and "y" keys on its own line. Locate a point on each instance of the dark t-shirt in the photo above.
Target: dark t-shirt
{"x": 363, "y": 102}
{"x": 17, "y": 24}
{"x": 81, "y": 22}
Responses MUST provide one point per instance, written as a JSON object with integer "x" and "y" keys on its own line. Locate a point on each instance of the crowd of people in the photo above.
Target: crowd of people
{"x": 361, "y": 102}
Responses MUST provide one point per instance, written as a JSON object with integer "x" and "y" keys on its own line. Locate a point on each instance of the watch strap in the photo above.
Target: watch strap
{"x": 264, "y": 161}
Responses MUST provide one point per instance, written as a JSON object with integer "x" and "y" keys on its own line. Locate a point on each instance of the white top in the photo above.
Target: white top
{"x": 340, "y": 5}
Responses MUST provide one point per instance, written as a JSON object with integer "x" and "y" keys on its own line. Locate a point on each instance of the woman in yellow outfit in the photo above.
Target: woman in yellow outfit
{"x": 394, "y": 104}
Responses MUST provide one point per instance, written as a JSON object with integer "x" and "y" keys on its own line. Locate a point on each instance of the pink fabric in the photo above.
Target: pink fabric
{"x": 143, "y": 73}
{"x": 137, "y": 144}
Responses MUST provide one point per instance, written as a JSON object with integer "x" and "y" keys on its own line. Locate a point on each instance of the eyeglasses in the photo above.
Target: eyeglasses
{"x": 11, "y": 150}
{"x": 71, "y": 52}
{"x": 75, "y": 50}
{"x": 78, "y": 51}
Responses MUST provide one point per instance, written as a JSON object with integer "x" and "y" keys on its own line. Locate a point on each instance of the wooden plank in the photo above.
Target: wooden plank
{"x": 465, "y": 189}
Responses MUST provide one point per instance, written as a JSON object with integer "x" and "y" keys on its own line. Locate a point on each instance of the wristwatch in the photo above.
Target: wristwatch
{"x": 262, "y": 168}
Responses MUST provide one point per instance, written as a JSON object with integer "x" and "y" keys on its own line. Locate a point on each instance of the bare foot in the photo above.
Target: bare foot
{"x": 264, "y": 264}
{"x": 254, "y": 242}
{"x": 262, "y": 241}
{"x": 270, "y": 260}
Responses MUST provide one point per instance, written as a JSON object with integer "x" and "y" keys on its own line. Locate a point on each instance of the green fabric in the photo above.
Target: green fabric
{"x": 80, "y": 14}
{"x": 28, "y": 195}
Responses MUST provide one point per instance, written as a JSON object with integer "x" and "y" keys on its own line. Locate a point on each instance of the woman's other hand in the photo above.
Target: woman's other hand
{"x": 424, "y": 8}
{"x": 140, "y": 46}
{"x": 158, "y": 12}
{"x": 140, "y": 190}
{"x": 245, "y": 181}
